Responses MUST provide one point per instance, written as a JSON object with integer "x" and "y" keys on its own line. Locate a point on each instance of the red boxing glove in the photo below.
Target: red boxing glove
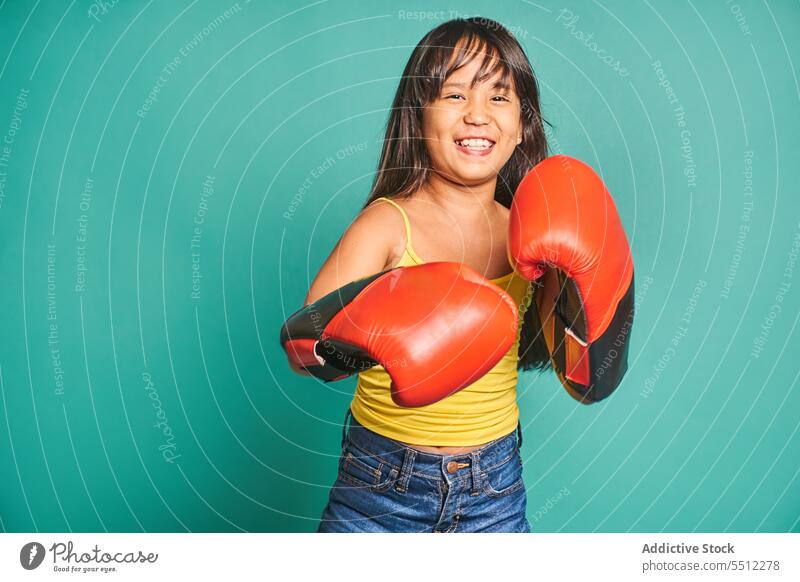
{"x": 564, "y": 231}
{"x": 436, "y": 328}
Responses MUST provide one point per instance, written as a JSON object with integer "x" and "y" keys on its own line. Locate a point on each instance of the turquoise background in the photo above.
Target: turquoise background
{"x": 279, "y": 101}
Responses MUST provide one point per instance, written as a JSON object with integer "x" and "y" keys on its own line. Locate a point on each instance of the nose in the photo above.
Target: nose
{"x": 477, "y": 114}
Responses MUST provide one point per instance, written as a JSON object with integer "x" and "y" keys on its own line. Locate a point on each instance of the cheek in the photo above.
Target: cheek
{"x": 432, "y": 132}
{"x": 437, "y": 131}
{"x": 509, "y": 121}
{"x": 510, "y": 126}
{"x": 439, "y": 119}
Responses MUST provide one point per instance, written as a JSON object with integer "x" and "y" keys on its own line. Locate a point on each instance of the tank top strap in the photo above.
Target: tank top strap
{"x": 405, "y": 218}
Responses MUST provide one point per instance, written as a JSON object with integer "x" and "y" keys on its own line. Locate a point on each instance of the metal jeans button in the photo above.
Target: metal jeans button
{"x": 454, "y": 466}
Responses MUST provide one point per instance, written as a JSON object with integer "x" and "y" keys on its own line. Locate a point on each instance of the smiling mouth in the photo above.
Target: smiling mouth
{"x": 475, "y": 146}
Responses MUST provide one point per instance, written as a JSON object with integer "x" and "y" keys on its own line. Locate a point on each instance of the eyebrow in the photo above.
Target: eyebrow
{"x": 498, "y": 85}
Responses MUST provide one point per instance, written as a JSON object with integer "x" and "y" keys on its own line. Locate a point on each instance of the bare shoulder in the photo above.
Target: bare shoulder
{"x": 386, "y": 224}
{"x": 375, "y": 227}
{"x": 382, "y": 213}
{"x": 383, "y": 221}
{"x": 366, "y": 248}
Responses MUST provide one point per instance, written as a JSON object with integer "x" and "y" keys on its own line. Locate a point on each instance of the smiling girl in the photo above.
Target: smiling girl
{"x": 464, "y": 128}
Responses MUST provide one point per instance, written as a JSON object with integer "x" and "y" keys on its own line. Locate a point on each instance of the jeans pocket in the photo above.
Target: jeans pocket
{"x": 366, "y": 470}
{"x": 504, "y": 478}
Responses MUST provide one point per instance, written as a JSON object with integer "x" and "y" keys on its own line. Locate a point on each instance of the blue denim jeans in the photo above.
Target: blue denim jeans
{"x": 386, "y": 486}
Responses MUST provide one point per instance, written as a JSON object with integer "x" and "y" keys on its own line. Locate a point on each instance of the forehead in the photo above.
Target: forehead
{"x": 467, "y": 76}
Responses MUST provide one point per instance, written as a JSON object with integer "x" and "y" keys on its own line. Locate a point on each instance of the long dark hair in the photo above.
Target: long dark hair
{"x": 404, "y": 164}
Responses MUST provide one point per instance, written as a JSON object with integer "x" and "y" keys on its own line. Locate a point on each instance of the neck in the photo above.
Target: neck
{"x": 459, "y": 199}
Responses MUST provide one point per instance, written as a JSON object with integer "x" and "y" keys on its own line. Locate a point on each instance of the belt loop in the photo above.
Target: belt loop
{"x": 475, "y": 458}
{"x": 519, "y": 435}
{"x": 347, "y": 415}
{"x": 405, "y": 471}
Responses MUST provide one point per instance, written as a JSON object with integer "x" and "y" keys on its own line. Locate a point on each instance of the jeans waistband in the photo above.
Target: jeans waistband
{"x": 405, "y": 458}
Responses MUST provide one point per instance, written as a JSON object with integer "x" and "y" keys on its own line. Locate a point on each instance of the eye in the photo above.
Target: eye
{"x": 454, "y": 96}
{"x": 501, "y": 98}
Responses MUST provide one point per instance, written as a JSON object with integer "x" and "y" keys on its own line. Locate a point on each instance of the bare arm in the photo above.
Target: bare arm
{"x": 364, "y": 249}
{"x": 367, "y": 247}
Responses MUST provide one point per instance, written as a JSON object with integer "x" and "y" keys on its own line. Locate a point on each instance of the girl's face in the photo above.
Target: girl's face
{"x": 471, "y": 132}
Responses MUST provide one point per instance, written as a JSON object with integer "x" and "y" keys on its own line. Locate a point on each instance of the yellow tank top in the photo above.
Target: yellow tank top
{"x": 483, "y": 411}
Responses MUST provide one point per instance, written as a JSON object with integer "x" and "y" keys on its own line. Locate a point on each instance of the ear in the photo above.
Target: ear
{"x": 519, "y": 138}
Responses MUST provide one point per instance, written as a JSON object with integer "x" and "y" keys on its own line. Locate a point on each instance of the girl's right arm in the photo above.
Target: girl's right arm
{"x": 365, "y": 249}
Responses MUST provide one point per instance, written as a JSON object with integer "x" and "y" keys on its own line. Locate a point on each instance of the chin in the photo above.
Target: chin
{"x": 474, "y": 182}
{"x": 475, "y": 176}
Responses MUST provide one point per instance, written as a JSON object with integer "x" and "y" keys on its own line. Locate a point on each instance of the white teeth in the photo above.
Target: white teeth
{"x": 480, "y": 144}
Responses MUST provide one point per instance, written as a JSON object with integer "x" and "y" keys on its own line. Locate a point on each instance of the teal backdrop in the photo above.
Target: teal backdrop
{"x": 173, "y": 174}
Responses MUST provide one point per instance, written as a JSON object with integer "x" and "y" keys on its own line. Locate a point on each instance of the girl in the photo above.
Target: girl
{"x": 464, "y": 129}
